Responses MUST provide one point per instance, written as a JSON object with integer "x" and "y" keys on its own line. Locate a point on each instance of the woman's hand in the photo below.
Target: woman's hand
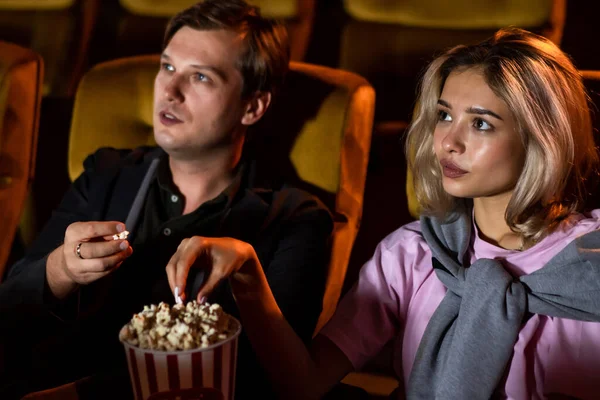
{"x": 293, "y": 372}
{"x": 221, "y": 258}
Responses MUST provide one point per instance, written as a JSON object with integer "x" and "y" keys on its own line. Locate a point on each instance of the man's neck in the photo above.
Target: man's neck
{"x": 490, "y": 220}
{"x": 202, "y": 179}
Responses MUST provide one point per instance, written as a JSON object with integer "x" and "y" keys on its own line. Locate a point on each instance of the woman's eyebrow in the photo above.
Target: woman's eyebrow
{"x": 444, "y": 103}
{"x": 472, "y": 110}
{"x": 482, "y": 111}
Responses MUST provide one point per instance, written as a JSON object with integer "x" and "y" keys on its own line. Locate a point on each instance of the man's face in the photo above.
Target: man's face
{"x": 197, "y": 94}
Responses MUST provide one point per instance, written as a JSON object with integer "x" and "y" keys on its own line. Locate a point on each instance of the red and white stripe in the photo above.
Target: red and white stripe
{"x": 153, "y": 372}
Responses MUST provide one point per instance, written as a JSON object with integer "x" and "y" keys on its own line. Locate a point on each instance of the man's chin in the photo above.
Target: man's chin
{"x": 167, "y": 139}
{"x": 177, "y": 151}
{"x": 172, "y": 149}
{"x": 168, "y": 143}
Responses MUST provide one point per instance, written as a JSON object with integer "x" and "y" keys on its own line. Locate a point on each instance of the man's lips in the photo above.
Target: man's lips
{"x": 451, "y": 170}
{"x": 168, "y": 118}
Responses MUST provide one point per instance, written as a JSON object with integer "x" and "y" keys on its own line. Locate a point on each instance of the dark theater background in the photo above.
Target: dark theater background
{"x": 386, "y": 42}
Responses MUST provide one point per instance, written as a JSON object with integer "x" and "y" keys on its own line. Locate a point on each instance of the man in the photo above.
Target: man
{"x": 66, "y": 300}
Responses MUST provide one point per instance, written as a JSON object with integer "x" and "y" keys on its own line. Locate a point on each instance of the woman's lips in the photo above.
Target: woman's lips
{"x": 168, "y": 119}
{"x": 451, "y": 170}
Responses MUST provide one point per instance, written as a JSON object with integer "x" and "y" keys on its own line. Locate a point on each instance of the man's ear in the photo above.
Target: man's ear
{"x": 256, "y": 107}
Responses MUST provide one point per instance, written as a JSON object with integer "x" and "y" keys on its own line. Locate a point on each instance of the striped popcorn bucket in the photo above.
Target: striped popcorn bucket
{"x": 154, "y": 371}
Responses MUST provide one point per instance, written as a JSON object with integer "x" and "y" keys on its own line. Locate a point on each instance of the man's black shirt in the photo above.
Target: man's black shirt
{"x": 288, "y": 229}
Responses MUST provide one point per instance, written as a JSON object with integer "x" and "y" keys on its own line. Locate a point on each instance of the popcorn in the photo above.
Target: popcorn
{"x": 122, "y": 235}
{"x": 181, "y": 327}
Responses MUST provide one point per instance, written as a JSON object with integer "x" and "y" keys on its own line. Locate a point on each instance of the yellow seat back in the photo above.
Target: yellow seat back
{"x": 59, "y": 30}
{"x": 457, "y": 14}
{"x": 141, "y": 28}
{"x": 113, "y": 107}
{"x": 35, "y": 4}
{"x": 21, "y": 72}
{"x": 317, "y": 136}
{"x": 390, "y": 42}
{"x": 159, "y": 8}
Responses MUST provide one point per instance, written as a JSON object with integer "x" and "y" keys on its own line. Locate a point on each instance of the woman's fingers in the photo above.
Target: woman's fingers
{"x": 193, "y": 249}
{"x": 212, "y": 281}
{"x": 221, "y": 257}
{"x": 228, "y": 258}
{"x": 191, "y": 252}
{"x": 172, "y": 267}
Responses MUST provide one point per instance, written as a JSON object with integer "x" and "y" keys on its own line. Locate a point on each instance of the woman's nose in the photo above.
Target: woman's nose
{"x": 453, "y": 141}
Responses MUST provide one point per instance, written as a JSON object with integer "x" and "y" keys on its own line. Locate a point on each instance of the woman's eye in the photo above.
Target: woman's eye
{"x": 200, "y": 77}
{"x": 444, "y": 116}
{"x": 481, "y": 125}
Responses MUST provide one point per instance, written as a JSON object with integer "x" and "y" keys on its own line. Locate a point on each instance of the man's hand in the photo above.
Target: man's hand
{"x": 98, "y": 256}
{"x": 220, "y": 257}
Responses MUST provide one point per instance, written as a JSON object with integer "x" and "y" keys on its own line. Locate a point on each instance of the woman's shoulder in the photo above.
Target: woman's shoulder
{"x": 580, "y": 224}
{"x": 402, "y": 260}
{"x": 405, "y": 240}
{"x": 591, "y": 219}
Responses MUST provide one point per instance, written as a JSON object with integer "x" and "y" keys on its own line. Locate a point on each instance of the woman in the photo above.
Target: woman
{"x": 496, "y": 290}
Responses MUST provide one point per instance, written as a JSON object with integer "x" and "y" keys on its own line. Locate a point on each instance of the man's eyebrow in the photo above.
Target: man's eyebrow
{"x": 483, "y": 111}
{"x": 215, "y": 70}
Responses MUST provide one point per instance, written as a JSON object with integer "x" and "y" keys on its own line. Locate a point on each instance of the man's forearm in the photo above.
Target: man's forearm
{"x": 24, "y": 285}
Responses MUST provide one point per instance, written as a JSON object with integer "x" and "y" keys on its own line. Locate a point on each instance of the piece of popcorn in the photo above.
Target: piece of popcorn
{"x": 122, "y": 235}
{"x": 162, "y": 330}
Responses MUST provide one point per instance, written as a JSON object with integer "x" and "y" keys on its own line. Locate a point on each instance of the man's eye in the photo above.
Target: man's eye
{"x": 481, "y": 125}
{"x": 444, "y": 116}
{"x": 168, "y": 67}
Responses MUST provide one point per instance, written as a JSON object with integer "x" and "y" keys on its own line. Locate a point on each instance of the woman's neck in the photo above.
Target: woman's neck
{"x": 489, "y": 213}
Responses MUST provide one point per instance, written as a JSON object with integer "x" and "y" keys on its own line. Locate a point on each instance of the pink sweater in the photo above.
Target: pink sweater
{"x": 398, "y": 291}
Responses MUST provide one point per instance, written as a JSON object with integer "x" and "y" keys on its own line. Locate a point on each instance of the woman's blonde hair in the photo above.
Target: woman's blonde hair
{"x": 545, "y": 94}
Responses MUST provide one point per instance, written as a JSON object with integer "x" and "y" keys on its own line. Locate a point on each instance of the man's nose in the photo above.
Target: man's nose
{"x": 173, "y": 90}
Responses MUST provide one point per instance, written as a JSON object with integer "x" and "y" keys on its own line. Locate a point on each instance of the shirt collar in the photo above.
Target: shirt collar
{"x": 240, "y": 181}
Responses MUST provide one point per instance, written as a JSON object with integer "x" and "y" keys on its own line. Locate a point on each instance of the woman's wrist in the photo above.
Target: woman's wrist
{"x": 250, "y": 280}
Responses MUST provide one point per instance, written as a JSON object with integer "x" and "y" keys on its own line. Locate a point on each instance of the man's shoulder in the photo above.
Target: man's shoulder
{"x": 289, "y": 202}
{"x": 107, "y": 158}
{"x": 295, "y": 195}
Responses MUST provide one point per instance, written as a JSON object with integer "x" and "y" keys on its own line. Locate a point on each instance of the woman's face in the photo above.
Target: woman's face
{"x": 475, "y": 139}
